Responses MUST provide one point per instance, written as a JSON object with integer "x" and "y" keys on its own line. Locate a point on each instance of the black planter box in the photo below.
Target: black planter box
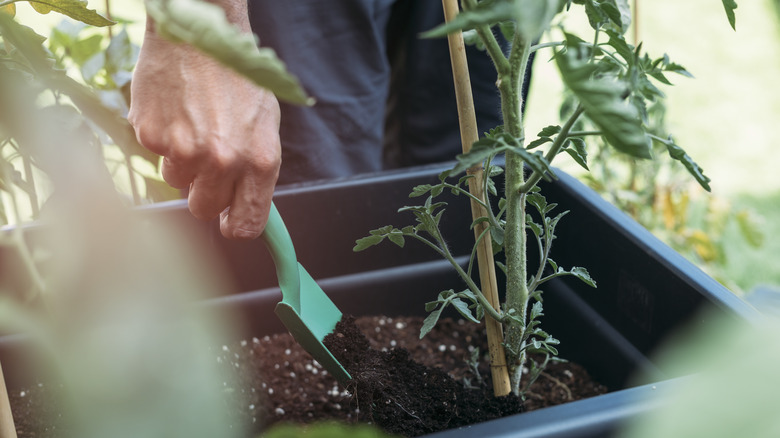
{"x": 646, "y": 290}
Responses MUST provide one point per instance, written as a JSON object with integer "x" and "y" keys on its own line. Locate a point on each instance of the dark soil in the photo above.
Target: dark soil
{"x": 279, "y": 382}
{"x": 405, "y": 397}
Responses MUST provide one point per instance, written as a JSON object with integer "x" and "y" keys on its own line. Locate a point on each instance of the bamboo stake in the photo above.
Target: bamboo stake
{"x": 7, "y": 428}
{"x": 487, "y": 270}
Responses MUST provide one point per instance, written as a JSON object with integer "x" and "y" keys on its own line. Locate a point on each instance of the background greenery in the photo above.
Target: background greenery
{"x": 725, "y": 118}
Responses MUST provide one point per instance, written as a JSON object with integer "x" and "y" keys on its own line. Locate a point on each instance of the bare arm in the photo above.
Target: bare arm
{"x": 218, "y": 132}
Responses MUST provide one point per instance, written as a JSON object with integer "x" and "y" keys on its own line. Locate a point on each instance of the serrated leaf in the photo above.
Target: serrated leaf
{"x": 596, "y": 17}
{"x": 538, "y": 142}
{"x": 486, "y": 13}
{"x": 604, "y": 102}
{"x": 537, "y": 200}
{"x": 576, "y": 150}
{"x": 430, "y": 322}
{"x": 420, "y": 190}
{"x": 204, "y": 26}
{"x": 530, "y": 17}
{"x": 535, "y": 228}
{"x": 552, "y": 264}
{"x": 730, "y": 6}
{"x": 463, "y": 308}
{"x": 396, "y": 238}
{"x": 678, "y": 153}
{"x": 621, "y": 46}
{"x": 75, "y": 9}
{"x": 367, "y": 242}
{"x": 583, "y": 275}
{"x": 537, "y": 310}
{"x": 625, "y": 14}
{"x": 549, "y": 131}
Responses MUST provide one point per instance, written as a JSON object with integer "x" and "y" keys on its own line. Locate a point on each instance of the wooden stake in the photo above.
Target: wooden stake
{"x": 7, "y": 428}
{"x": 487, "y": 268}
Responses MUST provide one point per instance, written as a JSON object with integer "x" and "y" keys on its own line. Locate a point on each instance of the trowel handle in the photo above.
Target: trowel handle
{"x": 277, "y": 240}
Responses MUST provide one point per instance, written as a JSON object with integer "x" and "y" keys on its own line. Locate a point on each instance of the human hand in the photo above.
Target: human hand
{"x": 218, "y": 133}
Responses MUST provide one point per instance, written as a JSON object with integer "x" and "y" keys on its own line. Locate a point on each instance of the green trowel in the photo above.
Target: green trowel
{"x": 305, "y": 310}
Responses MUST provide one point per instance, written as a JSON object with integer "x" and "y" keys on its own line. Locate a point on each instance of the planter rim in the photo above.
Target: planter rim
{"x": 639, "y": 235}
{"x": 595, "y": 416}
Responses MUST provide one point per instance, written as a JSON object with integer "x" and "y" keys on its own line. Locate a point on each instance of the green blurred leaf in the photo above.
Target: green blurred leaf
{"x": 324, "y": 430}
{"x": 9, "y": 9}
{"x": 730, "y": 6}
{"x": 750, "y": 228}
{"x": 121, "y": 53}
{"x": 204, "y": 26}
{"x": 604, "y": 101}
{"x": 75, "y": 9}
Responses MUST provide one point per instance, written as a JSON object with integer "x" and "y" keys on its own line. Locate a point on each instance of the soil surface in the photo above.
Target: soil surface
{"x": 279, "y": 382}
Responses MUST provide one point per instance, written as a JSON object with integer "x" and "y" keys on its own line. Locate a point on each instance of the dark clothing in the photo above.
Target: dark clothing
{"x": 385, "y": 97}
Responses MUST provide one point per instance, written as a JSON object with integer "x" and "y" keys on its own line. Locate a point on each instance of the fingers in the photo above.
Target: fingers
{"x": 177, "y": 174}
{"x": 210, "y": 195}
{"x": 247, "y": 215}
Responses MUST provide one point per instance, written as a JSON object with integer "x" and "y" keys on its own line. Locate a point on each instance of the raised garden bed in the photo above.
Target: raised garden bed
{"x": 646, "y": 291}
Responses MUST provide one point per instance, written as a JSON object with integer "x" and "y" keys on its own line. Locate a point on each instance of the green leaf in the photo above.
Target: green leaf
{"x": 576, "y": 149}
{"x": 538, "y": 201}
{"x": 538, "y": 142}
{"x": 430, "y": 321}
{"x": 531, "y": 17}
{"x": 583, "y": 275}
{"x": 535, "y": 228}
{"x": 604, "y": 102}
{"x": 121, "y": 53}
{"x": 621, "y": 46}
{"x": 618, "y": 12}
{"x": 536, "y": 311}
{"x": 730, "y": 6}
{"x": 9, "y": 9}
{"x": 368, "y": 241}
{"x": 678, "y": 153}
{"x": 86, "y": 48}
{"x": 486, "y": 13}
{"x": 420, "y": 190}
{"x": 463, "y": 308}
{"x": 750, "y": 229}
{"x": 204, "y": 26}
{"x": 549, "y": 131}
{"x": 75, "y": 9}
{"x": 397, "y": 238}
